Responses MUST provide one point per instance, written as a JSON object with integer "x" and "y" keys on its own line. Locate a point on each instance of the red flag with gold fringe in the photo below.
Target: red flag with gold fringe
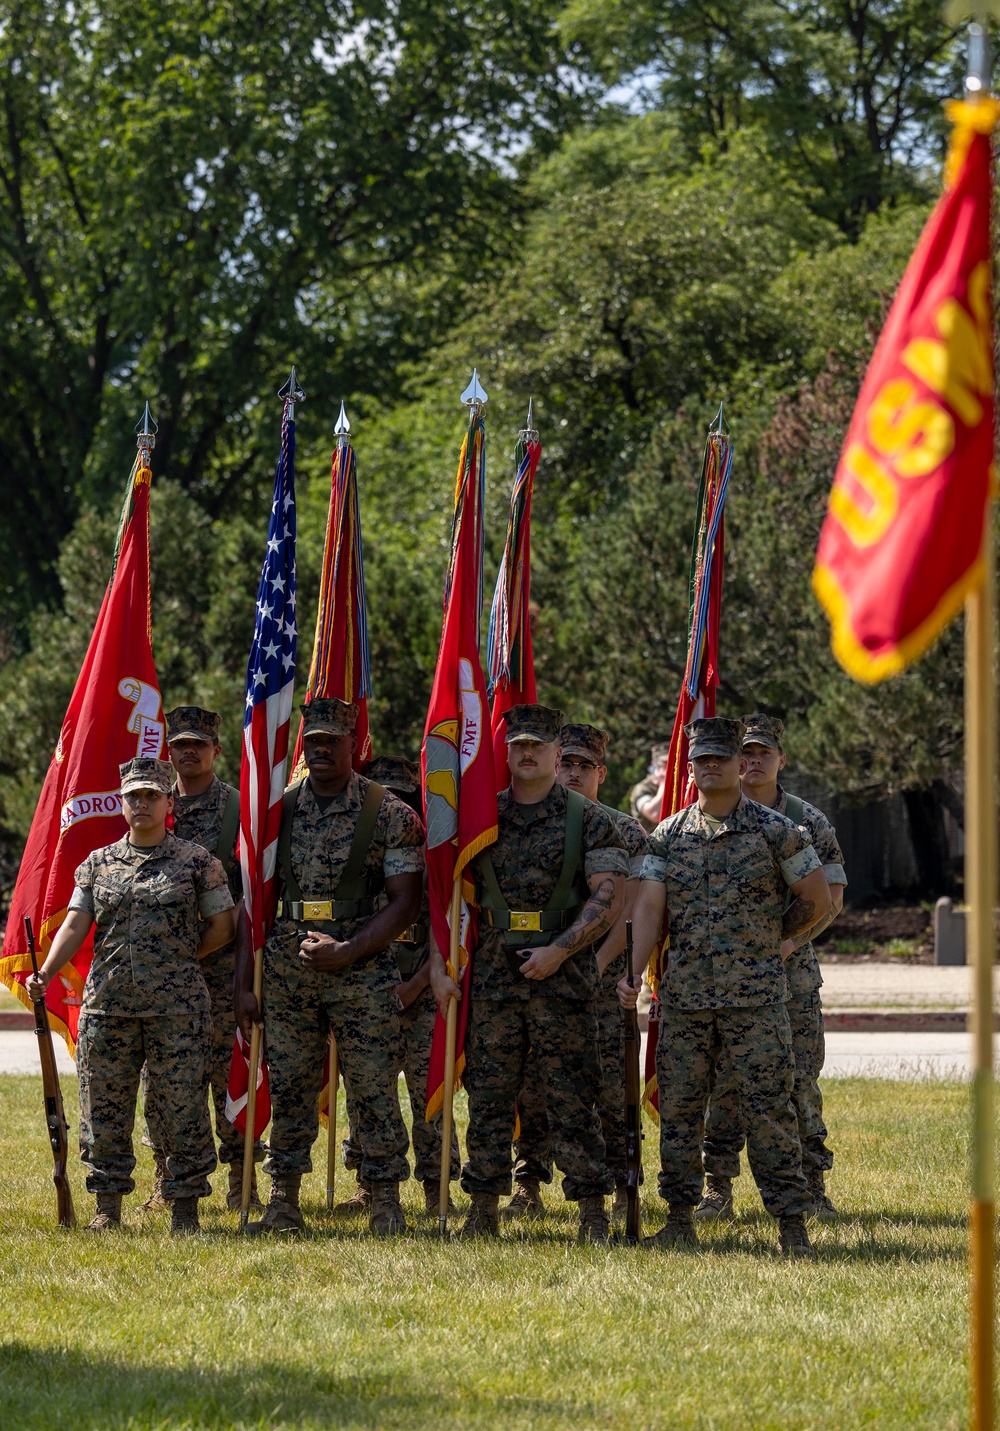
{"x": 510, "y": 658}
{"x": 900, "y": 547}
{"x": 460, "y": 797}
{"x": 114, "y": 714}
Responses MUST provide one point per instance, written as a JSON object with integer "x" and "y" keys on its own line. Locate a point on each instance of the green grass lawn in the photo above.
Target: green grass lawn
{"x": 337, "y": 1329}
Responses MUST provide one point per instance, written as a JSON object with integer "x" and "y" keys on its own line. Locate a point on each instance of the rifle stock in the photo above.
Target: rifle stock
{"x": 633, "y": 1111}
{"x": 55, "y": 1117}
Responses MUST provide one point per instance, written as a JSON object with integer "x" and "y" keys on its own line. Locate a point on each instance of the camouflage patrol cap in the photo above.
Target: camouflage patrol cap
{"x": 763, "y": 730}
{"x": 192, "y": 723}
{"x": 714, "y": 735}
{"x": 538, "y": 723}
{"x": 145, "y": 773}
{"x": 660, "y": 752}
{"x": 587, "y": 740}
{"x": 395, "y": 772}
{"x": 324, "y": 716}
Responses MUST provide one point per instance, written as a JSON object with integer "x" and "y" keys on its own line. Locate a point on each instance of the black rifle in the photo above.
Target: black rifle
{"x": 633, "y": 1111}
{"x": 55, "y": 1118}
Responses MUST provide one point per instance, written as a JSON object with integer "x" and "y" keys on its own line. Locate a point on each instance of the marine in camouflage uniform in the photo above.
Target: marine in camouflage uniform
{"x": 145, "y": 1002}
{"x": 416, "y": 1011}
{"x": 354, "y": 1002}
{"x": 554, "y": 1015}
{"x": 200, "y": 818}
{"x": 533, "y": 1147}
{"x": 649, "y": 786}
{"x": 724, "y": 1132}
{"x": 722, "y": 994}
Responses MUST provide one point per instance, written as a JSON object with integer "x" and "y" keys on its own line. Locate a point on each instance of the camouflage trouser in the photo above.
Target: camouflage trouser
{"x": 724, "y": 1133}
{"x": 417, "y": 1027}
{"x": 177, "y": 1050}
{"x": 217, "y": 970}
{"x": 534, "y": 1147}
{"x": 758, "y": 1044}
{"x": 296, "y": 1022}
{"x": 562, "y": 1034}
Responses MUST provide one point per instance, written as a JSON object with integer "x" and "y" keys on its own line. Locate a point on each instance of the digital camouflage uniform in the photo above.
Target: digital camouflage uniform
{"x": 355, "y": 1004}
{"x": 145, "y": 1001}
{"x": 533, "y": 1148}
{"x": 416, "y": 1025}
{"x": 198, "y": 818}
{"x": 723, "y": 993}
{"x": 556, "y": 1017}
{"x": 646, "y": 787}
{"x": 724, "y": 1133}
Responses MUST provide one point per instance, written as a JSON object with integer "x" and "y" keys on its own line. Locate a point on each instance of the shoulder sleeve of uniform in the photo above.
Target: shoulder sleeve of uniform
{"x": 826, "y": 845}
{"x": 603, "y": 847}
{"x": 403, "y": 837}
{"x": 654, "y": 864}
{"x": 635, "y": 839}
{"x": 212, "y": 885}
{"x": 82, "y": 897}
{"x": 791, "y": 846}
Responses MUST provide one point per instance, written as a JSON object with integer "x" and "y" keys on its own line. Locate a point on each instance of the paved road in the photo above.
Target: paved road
{"x": 866, "y": 1055}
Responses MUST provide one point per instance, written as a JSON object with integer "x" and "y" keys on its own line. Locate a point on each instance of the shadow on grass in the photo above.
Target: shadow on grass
{"x": 50, "y": 1390}
{"x": 884, "y": 1236}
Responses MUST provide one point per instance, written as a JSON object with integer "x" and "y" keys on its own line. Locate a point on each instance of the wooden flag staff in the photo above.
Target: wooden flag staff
{"x": 451, "y": 1038}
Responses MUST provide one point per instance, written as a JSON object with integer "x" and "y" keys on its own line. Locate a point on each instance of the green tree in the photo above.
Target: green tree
{"x": 193, "y": 196}
{"x": 848, "y": 93}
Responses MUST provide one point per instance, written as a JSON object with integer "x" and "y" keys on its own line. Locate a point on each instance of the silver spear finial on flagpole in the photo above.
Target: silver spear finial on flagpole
{"x": 978, "y": 69}
{"x": 342, "y": 430}
{"x": 146, "y": 430}
{"x": 528, "y": 433}
{"x": 292, "y": 394}
{"x": 475, "y": 394}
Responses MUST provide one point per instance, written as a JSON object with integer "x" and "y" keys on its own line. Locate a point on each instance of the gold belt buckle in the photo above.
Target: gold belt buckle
{"x": 317, "y": 909}
{"x": 526, "y": 919}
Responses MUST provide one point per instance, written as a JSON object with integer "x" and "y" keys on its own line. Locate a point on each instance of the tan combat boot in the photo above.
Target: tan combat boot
{"x": 593, "y": 1221}
{"x": 526, "y": 1202}
{"x": 359, "y": 1202}
{"x": 109, "y": 1213}
{"x": 483, "y": 1219}
{"x": 793, "y": 1239}
{"x": 619, "y": 1203}
{"x": 677, "y": 1234}
{"x": 234, "y": 1197}
{"x": 282, "y": 1212}
{"x": 432, "y": 1197}
{"x": 387, "y": 1217}
{"x": 156, "y": 1202}
{"x": 823, "y": 1209}
{"x": 184, "y": 1216}
{"x": 717, "y": 1201}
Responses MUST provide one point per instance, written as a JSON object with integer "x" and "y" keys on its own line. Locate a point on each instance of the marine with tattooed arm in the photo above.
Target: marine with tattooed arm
{"x": 549, "y": 889}
{"x": 724, "y": 867}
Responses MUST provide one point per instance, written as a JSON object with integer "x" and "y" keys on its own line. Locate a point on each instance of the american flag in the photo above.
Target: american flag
{"x": 270, "y": 681}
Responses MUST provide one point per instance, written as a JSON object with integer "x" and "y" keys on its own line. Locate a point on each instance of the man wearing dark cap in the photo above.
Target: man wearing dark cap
{"x": 345, "y": 841}
{"x": 583, "y": 767}
{"x": 722, "y": 869}
{"x": 158, "y": 905}
{"x": 549, "y": 889}
{"x": 646, "y": 798}
{"x": 416, "y": 1010}
{"x": 724, "y": 1135}
{"x": 206, "y": 812}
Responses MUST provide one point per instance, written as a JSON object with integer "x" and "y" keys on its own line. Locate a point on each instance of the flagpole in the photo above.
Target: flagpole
{"x": 981, "y": 891}
{"x": 331, "y": 1123}
{"x": 451, "y": 1034}
{"x": 248, "y": 1135}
